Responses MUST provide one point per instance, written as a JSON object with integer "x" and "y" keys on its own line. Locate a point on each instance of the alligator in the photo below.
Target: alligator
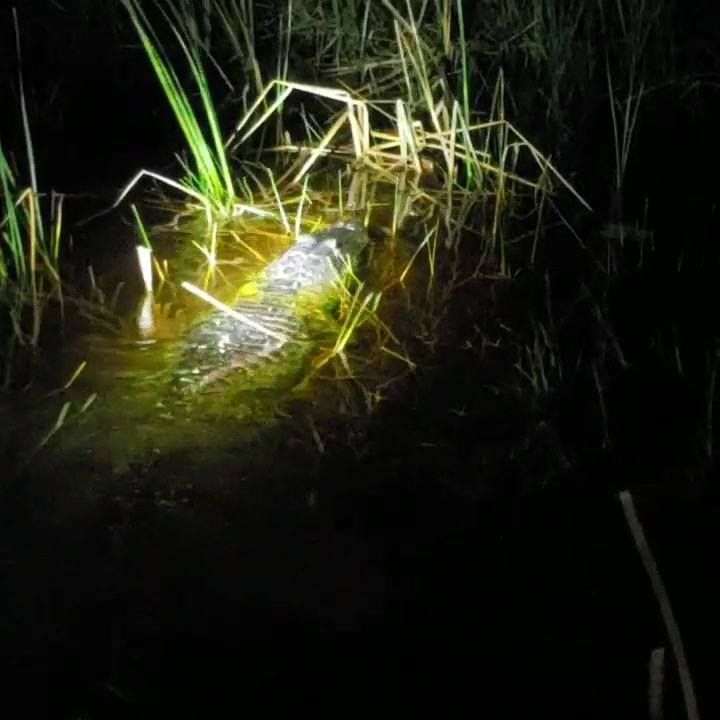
{"x": 275, "y": 323}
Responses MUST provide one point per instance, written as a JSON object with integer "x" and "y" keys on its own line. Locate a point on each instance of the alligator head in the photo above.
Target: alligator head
{"x": 316, "y": 260}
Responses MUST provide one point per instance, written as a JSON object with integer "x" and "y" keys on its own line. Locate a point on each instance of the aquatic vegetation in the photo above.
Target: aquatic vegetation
{"x": 30, "y": 235}
{"x": 489, "y": 151}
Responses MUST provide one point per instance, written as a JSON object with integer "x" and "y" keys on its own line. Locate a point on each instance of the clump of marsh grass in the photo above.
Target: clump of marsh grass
{"x": 208, "y": 179}
{"x": 412, "y": 117}
{"x": 31, "y": 242}
{"x": 29, "y": 265}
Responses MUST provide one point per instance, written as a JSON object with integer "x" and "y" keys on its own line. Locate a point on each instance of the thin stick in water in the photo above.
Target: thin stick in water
{"x": 233, "y": 313}
{"x": 661, "y": 595}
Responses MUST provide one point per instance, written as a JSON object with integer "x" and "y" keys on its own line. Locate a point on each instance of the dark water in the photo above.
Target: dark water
{"x": 391, "y": 589}
{"x": 422, "y": 556}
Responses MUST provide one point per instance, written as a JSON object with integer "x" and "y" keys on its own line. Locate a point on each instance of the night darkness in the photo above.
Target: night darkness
{"x": 465, "y": 552}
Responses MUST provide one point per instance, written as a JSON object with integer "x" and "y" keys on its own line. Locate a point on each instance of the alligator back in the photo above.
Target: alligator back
{"x": 273, "y": 325}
